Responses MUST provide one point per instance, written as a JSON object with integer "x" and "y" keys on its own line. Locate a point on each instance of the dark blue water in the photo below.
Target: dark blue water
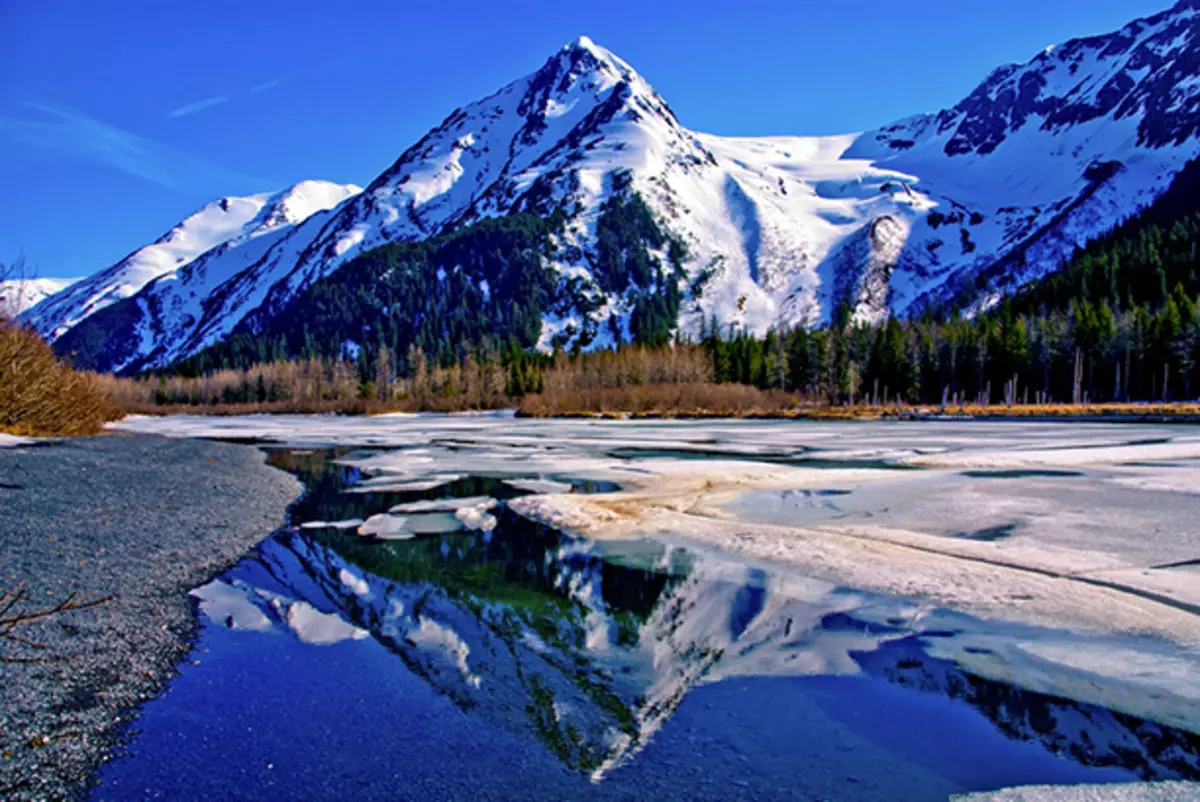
{"x": 516, "y": 664}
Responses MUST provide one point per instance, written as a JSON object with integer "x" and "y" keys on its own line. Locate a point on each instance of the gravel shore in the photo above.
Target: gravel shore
{"x": 138, "y": 517}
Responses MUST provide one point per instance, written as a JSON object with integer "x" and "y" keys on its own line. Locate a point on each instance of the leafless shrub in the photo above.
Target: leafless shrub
{"x": 41, "y": 395}
{"x": 14, "y": 297}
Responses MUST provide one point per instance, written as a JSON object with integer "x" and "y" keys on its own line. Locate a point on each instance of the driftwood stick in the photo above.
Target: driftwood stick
{"x": 12, "y": 615}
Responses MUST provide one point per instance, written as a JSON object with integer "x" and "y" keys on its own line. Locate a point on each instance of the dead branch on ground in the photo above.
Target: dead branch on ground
{"x": 15, "y": 613}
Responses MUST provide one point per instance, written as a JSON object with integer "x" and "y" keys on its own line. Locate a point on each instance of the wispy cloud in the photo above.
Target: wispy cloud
{"x": 198, "y": 106}
{"x": 271, "y": 84}
{"x": 69, "y": 132}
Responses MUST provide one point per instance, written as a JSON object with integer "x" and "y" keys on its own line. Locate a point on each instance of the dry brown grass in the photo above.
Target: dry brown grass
{"x": 704, "y": 400}
{"x": 344, "y": 406}
{"x": 692, "y": 399}
{"x": 1135, "y": 411}
{"x": 312, "y": 386}
{"x": 41, "y": 395}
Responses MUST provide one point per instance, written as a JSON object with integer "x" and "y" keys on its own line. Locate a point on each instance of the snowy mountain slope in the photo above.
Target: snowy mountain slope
{"x": 958, "y": 205}
{"x": 555, "y": 134}
{"x": 1043, "y": 156}
{"x": 758, "y": 216}
{"x": 18, "y": 295}
{"x": 224, "y": 222}
{"x": 162, "y": 312}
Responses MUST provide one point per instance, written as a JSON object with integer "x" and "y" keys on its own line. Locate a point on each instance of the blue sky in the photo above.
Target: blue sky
{"x": 119, "y": 118}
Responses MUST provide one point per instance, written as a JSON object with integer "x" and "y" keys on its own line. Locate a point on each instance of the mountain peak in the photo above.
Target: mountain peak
{"x": 583, "y": 42}
{"x": 583, "y": 61}
{"x": 585, "y": 46}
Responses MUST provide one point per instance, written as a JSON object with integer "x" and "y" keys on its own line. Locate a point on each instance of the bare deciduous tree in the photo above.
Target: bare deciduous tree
{"x": 15, "y": 289}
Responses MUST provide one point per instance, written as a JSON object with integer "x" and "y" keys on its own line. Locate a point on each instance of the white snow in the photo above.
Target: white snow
{"x": 12, "y": 441}
{"x": 207, "y": 228}
{"x": 1129, "y": 792}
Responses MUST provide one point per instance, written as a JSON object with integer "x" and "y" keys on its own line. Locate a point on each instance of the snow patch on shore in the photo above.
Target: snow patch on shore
{"x": 1124, "y": 792}
{"x": 12, "y": 441}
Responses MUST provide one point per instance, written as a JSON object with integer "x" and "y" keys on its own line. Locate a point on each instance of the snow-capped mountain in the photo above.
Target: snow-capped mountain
{"x": 222, "y": 225}
{"x": 759, "y": 216}
{"x": 19, "y": 294}
{"x": 961, "y": 204}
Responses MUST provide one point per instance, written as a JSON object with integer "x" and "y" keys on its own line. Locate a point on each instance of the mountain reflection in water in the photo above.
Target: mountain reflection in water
{"x": 591, "y": 652}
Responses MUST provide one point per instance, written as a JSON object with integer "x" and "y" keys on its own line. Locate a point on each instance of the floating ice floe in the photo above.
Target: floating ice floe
{"x": 476, "y": 518}
{"x": 349, "y": 523}
{"x": 396, "y": 484}
{"x": 445, "y": 504}
{"x": 1177, "y": 448}
{"x": 433, "y": 523}
{"x": 541, "y": 486}
{"x": 386, "y": 527}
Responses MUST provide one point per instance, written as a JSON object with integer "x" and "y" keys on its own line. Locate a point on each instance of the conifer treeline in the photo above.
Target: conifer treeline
{"x": 1118, "y": 321}
{"x": 1087, "y": 353}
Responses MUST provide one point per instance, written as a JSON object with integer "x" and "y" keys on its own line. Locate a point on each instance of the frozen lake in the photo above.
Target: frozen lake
{"x": 486, "y": 607}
